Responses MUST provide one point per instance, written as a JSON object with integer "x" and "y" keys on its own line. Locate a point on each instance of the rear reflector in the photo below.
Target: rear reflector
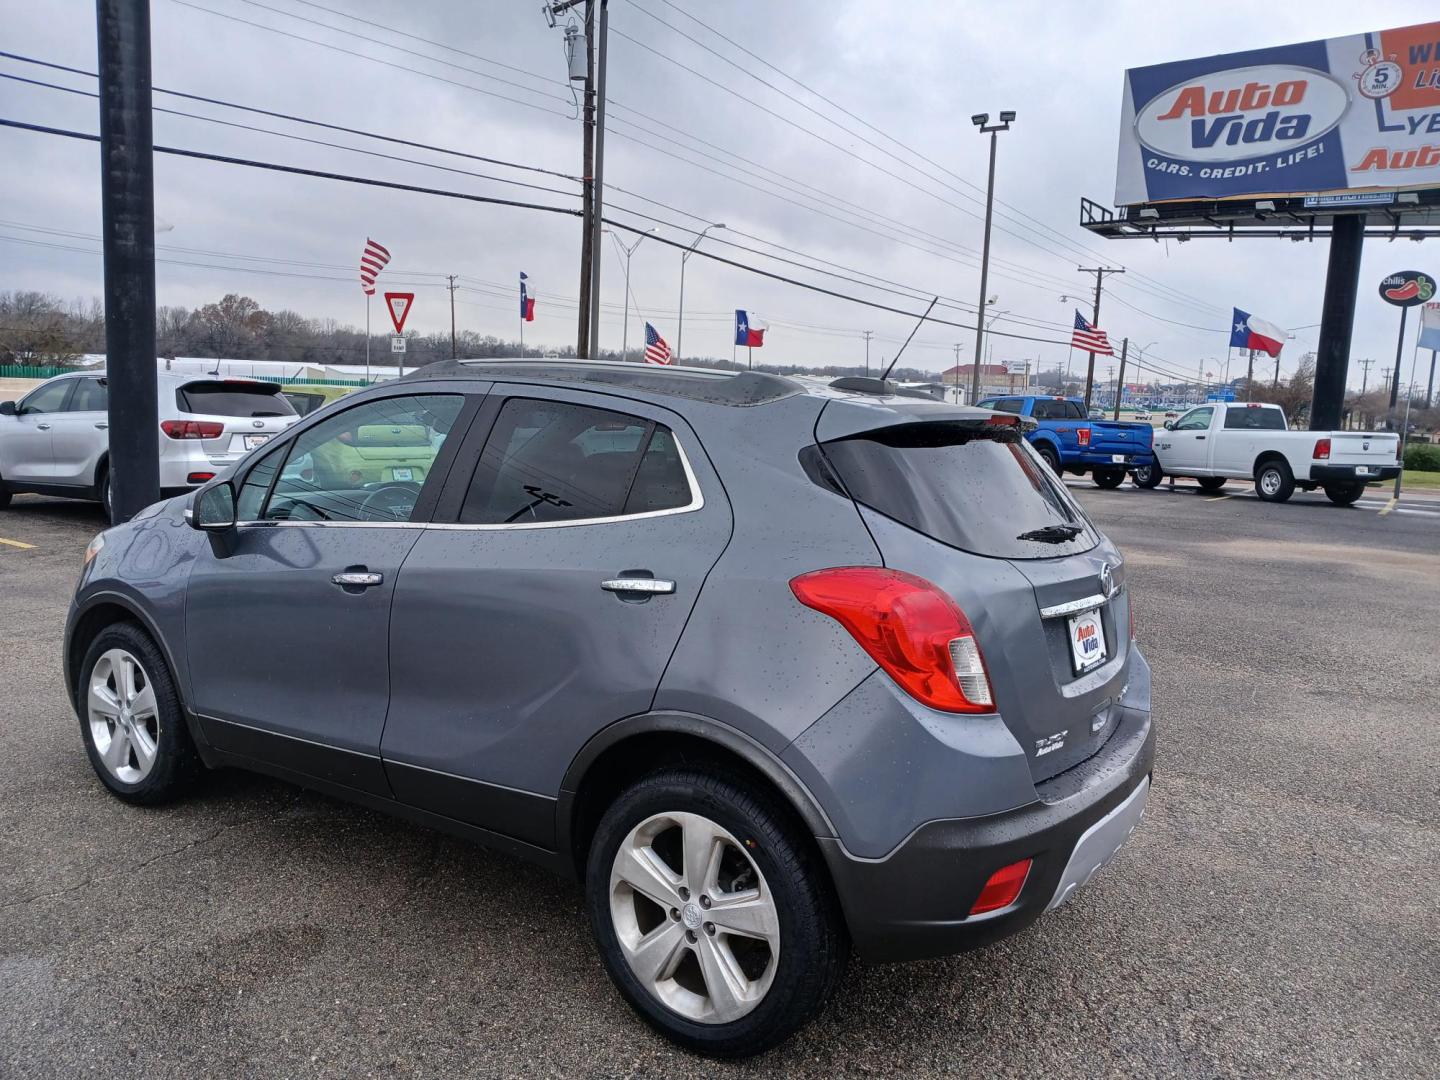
{"x": 1003, "y": 887}
{"x": 192, "y": 429}
{"x": 1322, "y": 449}
{"x": 910, "y": 628}
{"x": 199, "y": 477}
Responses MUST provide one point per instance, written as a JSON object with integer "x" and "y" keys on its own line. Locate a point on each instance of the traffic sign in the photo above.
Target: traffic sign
{"x": 397, "y": 344}
{"x": 398, "y": 304}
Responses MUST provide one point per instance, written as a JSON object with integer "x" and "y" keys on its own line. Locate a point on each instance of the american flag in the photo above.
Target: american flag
{"x": 656, "y": 351}
{"x": 1090, "y": 338}
{"x": 372, "y": 261}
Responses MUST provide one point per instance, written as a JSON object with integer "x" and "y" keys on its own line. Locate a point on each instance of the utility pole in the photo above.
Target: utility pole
{"x": 1277, "y": 371}
{"x": 982, "y": 121}
{"x": 1099, "y": 272}
{"x": 957, "y": 375}
{"x": 1365, "y": 374}
{"x": 453, "y": 352}
{"x": 1119, "y": 386}
{"x": 127, "y": 209}
{"x": 582, "y": 70}
{"x": 597, "y": 214}
{"x": 868, "y": 335}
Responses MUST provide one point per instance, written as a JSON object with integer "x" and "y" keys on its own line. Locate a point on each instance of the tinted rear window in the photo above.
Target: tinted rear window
{"x": 1255, "y": 419}
{"x": 232, "y": 399}
{"x": 976, "y": 487}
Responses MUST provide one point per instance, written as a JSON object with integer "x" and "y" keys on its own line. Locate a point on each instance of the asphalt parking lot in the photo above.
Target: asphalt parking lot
{"x": 1275, "y": 914}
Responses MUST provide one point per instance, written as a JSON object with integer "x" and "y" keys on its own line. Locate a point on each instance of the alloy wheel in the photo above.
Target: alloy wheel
{"x": 694, "y": 917}
{"x": 123, "y": 716}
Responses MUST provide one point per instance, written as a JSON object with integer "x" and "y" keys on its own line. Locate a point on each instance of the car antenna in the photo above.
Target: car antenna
{"x": 886, "y": 373}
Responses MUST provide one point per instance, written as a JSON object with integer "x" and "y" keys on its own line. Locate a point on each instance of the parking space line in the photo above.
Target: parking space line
{"x": 1389, "y": 506}
{"x": 16, "y": 544}
{"x": 1220, "y": 498}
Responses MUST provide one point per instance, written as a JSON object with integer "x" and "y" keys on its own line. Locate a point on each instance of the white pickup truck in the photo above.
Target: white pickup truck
{"x": 1221, "y": 441}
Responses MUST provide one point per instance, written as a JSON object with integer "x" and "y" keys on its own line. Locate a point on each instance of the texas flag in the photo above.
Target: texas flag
{"x": 1251, "y": 332}
{"x": 748, "y": 331}
{"x": 527, "y": 302}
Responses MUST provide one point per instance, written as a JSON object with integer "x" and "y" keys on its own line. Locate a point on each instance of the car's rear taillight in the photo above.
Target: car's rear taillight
{"x": 192, "y": 429}
{"x": 1002, "y": 888}
{"x": 910, "y": 628}
{"x": 1322, "y": 449}
{"x": 1083, "y": 435}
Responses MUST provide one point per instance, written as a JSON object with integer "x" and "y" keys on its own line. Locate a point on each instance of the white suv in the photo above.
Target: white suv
{"x": 55, "y": 440}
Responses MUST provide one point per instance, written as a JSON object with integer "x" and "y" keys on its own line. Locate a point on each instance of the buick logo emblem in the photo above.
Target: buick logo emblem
{"x": 1108, "y": 588}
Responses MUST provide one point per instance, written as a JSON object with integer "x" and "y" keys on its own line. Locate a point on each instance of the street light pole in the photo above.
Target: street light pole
{"x": 982, "y": 121}
{"x": 684, "y": 256}
{"x": 630, "y": 250}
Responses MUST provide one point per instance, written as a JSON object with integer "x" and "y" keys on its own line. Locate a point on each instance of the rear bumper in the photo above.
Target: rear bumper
{"x": 1347, "y": 474}
{"x": 1132, "y": 457}
{"x": 914, "y": 903}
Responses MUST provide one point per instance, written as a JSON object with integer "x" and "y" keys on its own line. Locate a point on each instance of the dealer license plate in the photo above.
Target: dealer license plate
{"x": 1119, "y": 459}
{"x": 1087, "y": 640}
{"x": 402, "y": 474}
{"x": 252, "y": 441}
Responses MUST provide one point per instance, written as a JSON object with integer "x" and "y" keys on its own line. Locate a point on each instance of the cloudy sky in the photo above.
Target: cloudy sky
{"x": 807, "y": 175}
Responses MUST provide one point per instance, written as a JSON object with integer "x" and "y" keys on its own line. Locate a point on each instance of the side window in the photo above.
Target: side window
{"x": 367, "y": 463}
{"x": 1074, "y": 411}
{"x": 548, "y": 461}
{"x": 90, "y": 396}
{"x": 988, "y": 403}
{"x": 1195, "y": 420}
{"x": 48, "y": 398}
{"x": 1050, "y": 410}
{"x": 1011, "y": 405}
{"x": 257, "y": 485}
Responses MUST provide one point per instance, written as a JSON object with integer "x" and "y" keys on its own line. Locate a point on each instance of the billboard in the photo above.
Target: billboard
{"x": 1356, "y": 113}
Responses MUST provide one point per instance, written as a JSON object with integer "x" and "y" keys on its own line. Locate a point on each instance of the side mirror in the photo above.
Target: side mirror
{"x": 7, "y": 408}
{"x": 213, "y": 509}
{"x": 1169, "y": 425}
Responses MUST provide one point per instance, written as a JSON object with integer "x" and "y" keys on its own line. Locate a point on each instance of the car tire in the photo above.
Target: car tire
{"x": 1344, "y": 494}
{"x": 131, "y": 720}
{"x": 102, "y": 493}
{"x": 1108, "y": 478}
{"x": 718, "y": 993}
{"x": 4, "y": 494}
{"x": 1210, "y": 484}
{"x": 1148, "y": 476}
{"x": 1052, "y": 459}
{"x": 1274, "y": 482}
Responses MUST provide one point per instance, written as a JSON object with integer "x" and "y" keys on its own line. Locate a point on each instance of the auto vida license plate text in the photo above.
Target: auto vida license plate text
{"x": 1087, "y": 640}
{"x": 252, "y": 441}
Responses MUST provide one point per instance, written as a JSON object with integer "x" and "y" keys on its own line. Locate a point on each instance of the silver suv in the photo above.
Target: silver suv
{"x": 774, "y": 668}
{"x": 55, "y": 440}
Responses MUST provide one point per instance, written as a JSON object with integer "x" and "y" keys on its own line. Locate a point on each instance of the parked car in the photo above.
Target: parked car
{"x": 1252, "y": 441}
{"x": 55, "y": 440}
{"x": 305, "y": 398}
{"x": 1069, "y": 442}
{"x": 774, "y": 669}
{"x": 1141, "y": 415}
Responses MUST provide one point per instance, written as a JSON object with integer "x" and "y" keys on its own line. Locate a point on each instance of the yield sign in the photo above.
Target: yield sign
{"x": 398, "y": 304}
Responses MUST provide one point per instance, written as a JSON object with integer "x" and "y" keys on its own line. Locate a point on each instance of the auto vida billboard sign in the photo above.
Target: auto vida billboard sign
{"x": 1352, "y": 113}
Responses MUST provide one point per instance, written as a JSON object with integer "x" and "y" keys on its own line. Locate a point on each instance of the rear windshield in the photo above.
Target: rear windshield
{"x": 1255, "y": 419}
{"x": 232, "y": 399}
{"x": 976, "y": 487}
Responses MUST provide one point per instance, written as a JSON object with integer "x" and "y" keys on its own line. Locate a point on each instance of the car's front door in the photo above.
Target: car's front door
{"x": 288, "y": 616}
{"x": 569, "y": 548}
{"x": 1184, "y": 449}
{"x": 79, "y": 434}
{"x": 27, "y": 452}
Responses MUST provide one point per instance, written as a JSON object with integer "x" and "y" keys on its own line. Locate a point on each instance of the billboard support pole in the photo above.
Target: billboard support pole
{"x": 1395, "y": 381}
{"x": 1430, "y": 386}
{"x": 1337, "y": 321}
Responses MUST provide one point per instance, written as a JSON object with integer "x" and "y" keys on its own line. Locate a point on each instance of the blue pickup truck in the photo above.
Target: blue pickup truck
{"x": 1070, "y": 442}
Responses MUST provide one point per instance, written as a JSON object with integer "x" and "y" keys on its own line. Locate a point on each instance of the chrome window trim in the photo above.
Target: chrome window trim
{"x": 697, "y": 502}
{"x": 1074, "y": 607}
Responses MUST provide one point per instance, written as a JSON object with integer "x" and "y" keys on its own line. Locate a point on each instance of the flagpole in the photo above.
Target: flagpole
{"x": 522, "y": 335}
{"x": 750, "y": 356}
{"x": 367, "y": 337}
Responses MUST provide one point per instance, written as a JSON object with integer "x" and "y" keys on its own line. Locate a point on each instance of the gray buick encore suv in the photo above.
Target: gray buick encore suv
{"x": 776, "y": 669}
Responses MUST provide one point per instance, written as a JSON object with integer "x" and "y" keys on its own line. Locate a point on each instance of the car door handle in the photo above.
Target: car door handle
{"x": 102, "y": 425}
{"x": 1199, "y": 438}
{"x": 653, "y": 586}
{"x": 42, "y": 427}
{"x": 357, "y": 579}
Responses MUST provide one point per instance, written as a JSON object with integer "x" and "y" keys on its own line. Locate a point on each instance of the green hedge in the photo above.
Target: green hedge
{"x": 1423, "y": 457}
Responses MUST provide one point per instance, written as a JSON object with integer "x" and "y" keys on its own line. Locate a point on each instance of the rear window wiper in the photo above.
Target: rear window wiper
{"x": 1052, "y": 534}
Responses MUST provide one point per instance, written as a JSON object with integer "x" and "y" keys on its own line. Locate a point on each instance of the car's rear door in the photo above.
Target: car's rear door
{"x": 288, "y": 618}
{"x": 569, "y": 546}
{"x": 79, "y": 435}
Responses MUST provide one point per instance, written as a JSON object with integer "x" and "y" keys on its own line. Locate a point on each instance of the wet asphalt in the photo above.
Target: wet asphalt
{"x": 1276, "y": 914}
